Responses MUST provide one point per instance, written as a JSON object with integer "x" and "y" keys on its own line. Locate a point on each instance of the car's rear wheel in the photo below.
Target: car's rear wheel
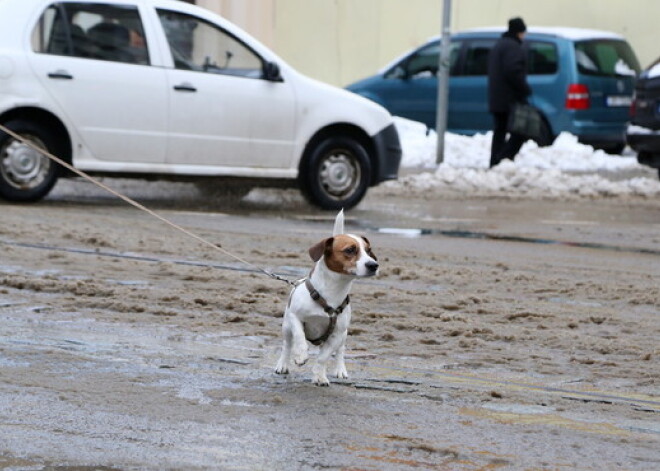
{"x": 546, "y": 138}
{"x": 335, "y": 173}
{"x": 25, "y": 173}
{"x": 615, "y": 149}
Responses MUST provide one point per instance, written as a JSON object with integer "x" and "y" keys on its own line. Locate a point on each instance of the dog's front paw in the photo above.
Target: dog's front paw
{"x": 340, "y": 372}
{"x": 321, "y": 380}
{"x": 282, "y": 370}
{"x": 318, "y": 375}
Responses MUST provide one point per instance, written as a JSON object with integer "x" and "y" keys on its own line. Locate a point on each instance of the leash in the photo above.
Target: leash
{"x": 141, "y": 207}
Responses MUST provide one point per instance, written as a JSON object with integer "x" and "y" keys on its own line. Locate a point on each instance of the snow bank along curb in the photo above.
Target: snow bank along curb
{"x": 565, "y": 169}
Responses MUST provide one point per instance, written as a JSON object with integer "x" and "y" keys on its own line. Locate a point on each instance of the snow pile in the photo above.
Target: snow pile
{"x": 567, "y": 168}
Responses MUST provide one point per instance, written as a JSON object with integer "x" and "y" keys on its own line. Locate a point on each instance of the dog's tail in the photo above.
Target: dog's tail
{"x": 339, "y": 224}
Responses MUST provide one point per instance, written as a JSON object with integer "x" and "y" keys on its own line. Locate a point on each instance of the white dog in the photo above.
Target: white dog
{"x": 319, "y": 308}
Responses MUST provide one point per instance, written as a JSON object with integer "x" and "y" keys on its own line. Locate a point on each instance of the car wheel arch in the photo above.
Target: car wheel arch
{"x": 44, "y": 118}
{"x": 332, "y": 180}
{"x": 346, "y": 130}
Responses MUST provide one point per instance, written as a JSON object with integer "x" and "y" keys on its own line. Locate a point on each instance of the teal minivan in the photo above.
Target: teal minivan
{"x": 582, "y": 81}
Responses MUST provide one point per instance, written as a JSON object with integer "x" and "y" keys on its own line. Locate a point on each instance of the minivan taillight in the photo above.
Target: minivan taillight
{"x": 577, "y": 97}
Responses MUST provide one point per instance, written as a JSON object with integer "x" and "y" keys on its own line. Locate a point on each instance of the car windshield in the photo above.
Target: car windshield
{"x": 606, "y": 57}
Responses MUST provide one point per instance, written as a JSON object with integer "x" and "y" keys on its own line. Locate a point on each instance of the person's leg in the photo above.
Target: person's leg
{"x": 499, "y": 137}
{"x": 512, "y": 147}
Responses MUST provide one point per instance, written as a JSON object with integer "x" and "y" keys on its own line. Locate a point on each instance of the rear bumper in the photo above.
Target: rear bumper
{"x": 617, "y": 138}
{"x": 599, "y": 134}
{"x": 388, "y": 152}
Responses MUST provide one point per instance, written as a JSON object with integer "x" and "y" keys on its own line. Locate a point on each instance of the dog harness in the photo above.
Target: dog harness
{"x": 332, "y": 312}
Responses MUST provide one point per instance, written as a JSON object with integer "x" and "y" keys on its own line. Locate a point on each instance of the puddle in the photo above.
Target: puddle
{"x": 535, "y": 418}
{"x": 510, "y": 238}
{"x": 572, "y": 302}
{"x": 519, "y": 408}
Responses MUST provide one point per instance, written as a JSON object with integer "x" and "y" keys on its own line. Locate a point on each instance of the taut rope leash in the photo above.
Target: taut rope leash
{"x": 140, "y": 206}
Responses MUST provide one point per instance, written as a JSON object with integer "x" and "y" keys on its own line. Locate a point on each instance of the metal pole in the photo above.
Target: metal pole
{"x": 443, "y": 82}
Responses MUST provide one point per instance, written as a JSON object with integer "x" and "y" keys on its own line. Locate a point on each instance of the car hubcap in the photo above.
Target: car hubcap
{"x": 339, "y": 174}
{"x": 21, "y": 166}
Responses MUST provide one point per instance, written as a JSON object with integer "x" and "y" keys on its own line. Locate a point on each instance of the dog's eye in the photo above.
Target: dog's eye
{"x": 350, "y": 250}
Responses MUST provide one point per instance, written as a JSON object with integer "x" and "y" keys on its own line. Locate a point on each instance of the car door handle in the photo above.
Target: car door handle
{"x": 60, "y": 74}
{"x": 185, "y": 87}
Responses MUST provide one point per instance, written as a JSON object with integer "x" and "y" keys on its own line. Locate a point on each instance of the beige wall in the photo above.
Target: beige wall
{"x": 339, "y": 41}
{"x": 637, "y": 20}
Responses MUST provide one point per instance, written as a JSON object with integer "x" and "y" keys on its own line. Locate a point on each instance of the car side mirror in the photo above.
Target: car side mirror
{"x": 272, "y": 72}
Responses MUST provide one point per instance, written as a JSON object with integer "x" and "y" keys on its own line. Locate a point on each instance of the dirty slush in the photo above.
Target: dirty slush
{"x": 123, "y": 348}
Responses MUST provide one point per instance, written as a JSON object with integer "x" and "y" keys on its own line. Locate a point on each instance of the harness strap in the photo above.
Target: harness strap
{"x": 332, "y": 312}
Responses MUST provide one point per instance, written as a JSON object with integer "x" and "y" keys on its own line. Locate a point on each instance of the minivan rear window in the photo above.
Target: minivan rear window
{"x": 606, "y": 57}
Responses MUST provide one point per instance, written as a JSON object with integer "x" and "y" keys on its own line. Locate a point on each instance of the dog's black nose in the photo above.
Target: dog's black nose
{"x": 372, "y": 266}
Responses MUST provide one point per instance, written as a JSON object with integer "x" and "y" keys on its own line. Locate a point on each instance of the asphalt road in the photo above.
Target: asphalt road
{"x": 502, "y": 334}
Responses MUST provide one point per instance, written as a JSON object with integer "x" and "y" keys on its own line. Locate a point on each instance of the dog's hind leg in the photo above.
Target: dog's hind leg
{"x": 340, "y": 367}
{"x": 334, "y": 344}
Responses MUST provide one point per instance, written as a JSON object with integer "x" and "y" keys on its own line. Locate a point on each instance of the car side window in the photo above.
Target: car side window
{"x": 476, "y": 57}
{"x": 424, "y": 62}
{"x": 93, "y": 31}
{"x": 542, "y": 58}
{"x": 201, "y": 46}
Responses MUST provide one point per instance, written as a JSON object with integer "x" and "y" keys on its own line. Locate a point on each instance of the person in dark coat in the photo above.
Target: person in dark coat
{"x": 507, "y": 84}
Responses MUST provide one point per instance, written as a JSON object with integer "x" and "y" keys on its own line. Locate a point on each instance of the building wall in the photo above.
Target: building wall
{"x": 339, "y": 41}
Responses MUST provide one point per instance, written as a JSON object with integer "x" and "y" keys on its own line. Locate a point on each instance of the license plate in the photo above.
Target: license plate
{"x": 619, "y": 100}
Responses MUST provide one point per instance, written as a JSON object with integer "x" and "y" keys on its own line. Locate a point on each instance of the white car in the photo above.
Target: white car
{"x": 146, "y": 88}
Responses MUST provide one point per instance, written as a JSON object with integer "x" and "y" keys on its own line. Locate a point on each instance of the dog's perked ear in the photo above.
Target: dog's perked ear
{"x": 339, "y": 223}
{"x": 317, "y": 250}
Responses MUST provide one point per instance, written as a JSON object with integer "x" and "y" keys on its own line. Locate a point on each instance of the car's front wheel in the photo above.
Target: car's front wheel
{"x": 336, "y": 173}
{"x": 25, "y": 173}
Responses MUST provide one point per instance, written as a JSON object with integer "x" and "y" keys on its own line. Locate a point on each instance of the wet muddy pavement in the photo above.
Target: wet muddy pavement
{"x": 500, "y": 335}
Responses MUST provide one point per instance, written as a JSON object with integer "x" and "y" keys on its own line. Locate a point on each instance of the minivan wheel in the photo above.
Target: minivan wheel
{"x": 336, "y": 173}
{"x": 615, "y": 149}
{"x": 26, "y": 174}
{"x": 546, "y": 137}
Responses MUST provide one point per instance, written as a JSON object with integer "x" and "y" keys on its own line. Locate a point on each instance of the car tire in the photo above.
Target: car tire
{"x": 335, "y": 173}
{"x": 615, "y": 149}
{"x": 25, "y": 174}
{"x": 546, "y": 137}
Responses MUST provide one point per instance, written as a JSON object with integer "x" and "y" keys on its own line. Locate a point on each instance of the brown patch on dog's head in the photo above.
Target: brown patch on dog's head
{"x": 346, "y": 254}
{"x": 341, "y": 255}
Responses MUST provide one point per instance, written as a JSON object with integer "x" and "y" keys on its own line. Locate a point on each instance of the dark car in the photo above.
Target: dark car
{"x": 643, "y": 132}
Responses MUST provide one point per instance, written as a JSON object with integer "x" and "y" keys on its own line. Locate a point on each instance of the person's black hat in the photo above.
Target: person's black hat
{"x": 517, "y": 25}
